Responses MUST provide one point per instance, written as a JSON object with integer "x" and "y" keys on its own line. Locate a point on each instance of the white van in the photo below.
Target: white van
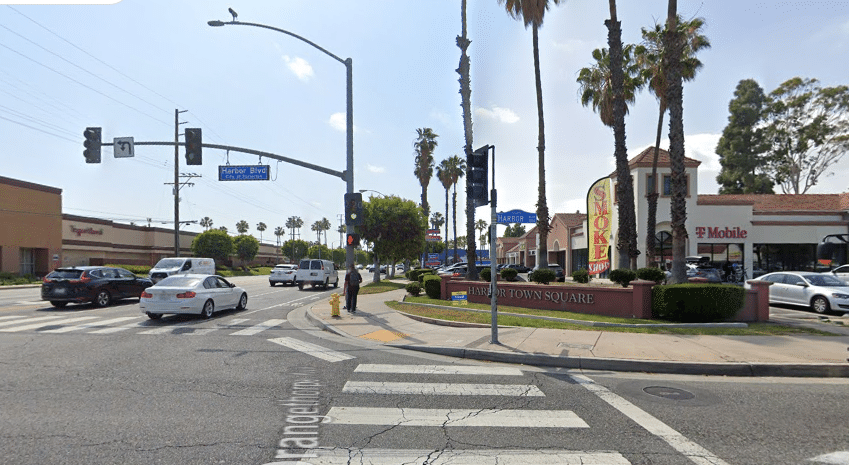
{"x": 316, "y": 273}
{"x": 181, "y": 265}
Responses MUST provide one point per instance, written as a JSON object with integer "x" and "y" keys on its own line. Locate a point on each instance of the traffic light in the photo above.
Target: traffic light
{"x": 194, "y": 145}
{"x": 354, "y": 209}
{"x": 477, "y": 165}
{"x": 92, "y": 145}
{"x": 353, "y": 240}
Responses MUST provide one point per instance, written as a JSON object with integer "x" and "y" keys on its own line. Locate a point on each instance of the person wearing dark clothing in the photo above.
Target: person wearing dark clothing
{"x": 351, "y": 288}
{"x": 727, "y": 269}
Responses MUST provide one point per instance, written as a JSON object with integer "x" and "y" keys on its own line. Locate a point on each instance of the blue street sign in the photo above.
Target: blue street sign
{"x": 516, "y": 216}
{"x": 244, "y": 173}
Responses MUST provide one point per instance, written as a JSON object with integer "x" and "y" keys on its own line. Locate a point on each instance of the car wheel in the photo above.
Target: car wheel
{"x": 58, "y": 304}
{"x": 208, "y": 308}
{"x": 154, "y": 316}
{"x": 820, "y": 304}
{"x": 326, "y": 283}
{"x": 103, "y": 298}
{"x": 336, "y": 284}
{"x": 301, "y": 286}
{"x": 272, "y": 284}
{"x": 243, "y": 302}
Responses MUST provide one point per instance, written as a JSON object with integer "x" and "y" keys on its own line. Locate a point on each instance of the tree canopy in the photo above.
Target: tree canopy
{"x": 246, "y": 247}
{"x": 517, "y": 230}
{"x": 215, "y": 244}
{"x": 395, "y": 226}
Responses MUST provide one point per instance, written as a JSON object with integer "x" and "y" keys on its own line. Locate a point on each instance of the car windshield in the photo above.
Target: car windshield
{"x": 170, "y": 263}
{"x": 179, "y": 281}
{"x": 65, "y": 274}
{"x": 824, "y": 280}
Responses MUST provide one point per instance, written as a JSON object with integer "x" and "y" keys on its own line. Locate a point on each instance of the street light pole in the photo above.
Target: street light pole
{"x": 349, "y": 170}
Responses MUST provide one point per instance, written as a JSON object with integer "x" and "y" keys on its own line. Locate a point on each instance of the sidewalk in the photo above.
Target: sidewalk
{"x": 803, "y": 356}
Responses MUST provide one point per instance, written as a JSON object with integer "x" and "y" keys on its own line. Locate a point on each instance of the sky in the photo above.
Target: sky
{"x": 126, "y": 66}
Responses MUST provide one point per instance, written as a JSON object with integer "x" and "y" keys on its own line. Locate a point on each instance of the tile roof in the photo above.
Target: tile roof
{"x": 571, "y": 219}
{"x": 645, "y": 158}
{"x": 781, "y": 202}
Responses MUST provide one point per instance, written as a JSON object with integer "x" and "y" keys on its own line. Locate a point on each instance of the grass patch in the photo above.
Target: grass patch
{"x": 379, "y": 287}
{"x": 456, "y": 314}
{"x": 230, "y": 272}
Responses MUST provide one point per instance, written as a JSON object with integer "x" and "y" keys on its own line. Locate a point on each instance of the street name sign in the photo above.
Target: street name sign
{"x": 244, "y": 173}
{"x": 515, "y": 216}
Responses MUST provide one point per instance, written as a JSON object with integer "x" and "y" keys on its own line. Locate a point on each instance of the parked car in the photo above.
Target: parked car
{"x": 841, "y": 273}
{"x": 283, "y": 274}
{"x": 99, "y": 285}
{"x": 519, "y": 267}
{"x": 181, "y": 265}
{"x": 819, "y": 291}
{"x": 701, "y": 271}
{"x": 316, "y": 272}
{"x": 196, "y": 294}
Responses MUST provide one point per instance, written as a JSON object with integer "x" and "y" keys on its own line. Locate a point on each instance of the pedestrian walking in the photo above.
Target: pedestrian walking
{"x": 351, "y": 288}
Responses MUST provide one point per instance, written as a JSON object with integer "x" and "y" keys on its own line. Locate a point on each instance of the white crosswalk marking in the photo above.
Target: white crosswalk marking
{"x": 116, "y": 329}
{"x": 160, "y": 330}
{"x": 312, "y": 349}
{"x": 258, "y": 328}
{"x": 442, "y": 389}
{"x": 42, "y": 324}
{"x": 8, "y": 317}
{"x": 455, "y": 417}
{"x": 342, "y": 456}
{"x": 29, "y": 320}
{"x": 439, "y": 370}
{"x": 92, "y": 324}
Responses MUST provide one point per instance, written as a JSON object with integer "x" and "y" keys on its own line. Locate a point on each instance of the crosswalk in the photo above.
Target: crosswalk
{"x": 391, "y": 416}
{"x": 62, "y": 324}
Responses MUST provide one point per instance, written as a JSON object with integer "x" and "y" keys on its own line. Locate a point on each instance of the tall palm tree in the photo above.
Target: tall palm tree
{"x": 294, "y": 223}
{"x": 325, "y": 226}
{"x": 532, "y": 12}
{"x": 481, "y": 226}
{"x": 596, "y": 84}
{"x": 261, "y": 227}
{"x": 437, "y": 220}
{"x": 206, "y": 222}
{"x": 223, "y": 228}
{"x": 443, "y": 173}
{"x": 317, "y": 229}
{"x": 463, "y": 70}
{"x": 650, "y": 58}
{"x": 279, "y": 232}
{"x": 242, "y": 226}
{"x": 424, "y": 145}
{"x": 457, "y": 168}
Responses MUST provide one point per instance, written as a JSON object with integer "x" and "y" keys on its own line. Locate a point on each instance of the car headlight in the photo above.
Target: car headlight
{"x": 840, "y": 296}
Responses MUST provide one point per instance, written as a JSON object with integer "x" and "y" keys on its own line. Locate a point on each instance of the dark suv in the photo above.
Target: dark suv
{"x": 99, "y": 285}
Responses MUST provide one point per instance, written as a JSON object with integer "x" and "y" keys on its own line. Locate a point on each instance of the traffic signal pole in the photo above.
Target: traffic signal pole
{"x": 493, "y": 282}
{"x": 177, "y": 181}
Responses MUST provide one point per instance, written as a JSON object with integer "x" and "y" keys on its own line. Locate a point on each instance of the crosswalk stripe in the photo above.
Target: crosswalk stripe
{"x": 341, "y": 456}
{"x": 160, "y": 330}
{"x": 312, "y": 349}
{"x": 138, "y": 324}
{"x": 7, "y": 317}
{"x": 92, "y": 324}
{"x": 30, "y": 320}
{"x": 236, "y": 321}
{"x": 455, "y": 417}
{"x": 439, "y": 370}
{"x": 41, "y": 324}
{"x": 442, "y": 389}
{"x": 258, "y": 328}
{"x": 201, "y": 332}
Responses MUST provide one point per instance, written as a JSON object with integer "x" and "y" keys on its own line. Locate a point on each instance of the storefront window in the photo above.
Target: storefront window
{"x": 783, "y": 257}
{"x": 663, "y": 250}
{"x": 718, "y": 254}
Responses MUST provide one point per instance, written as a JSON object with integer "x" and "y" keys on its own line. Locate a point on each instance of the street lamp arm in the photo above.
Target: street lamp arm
{"x": 265, "y": 26}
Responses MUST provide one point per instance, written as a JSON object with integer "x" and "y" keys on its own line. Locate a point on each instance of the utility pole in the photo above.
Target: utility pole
{"x": 177, "y": 181}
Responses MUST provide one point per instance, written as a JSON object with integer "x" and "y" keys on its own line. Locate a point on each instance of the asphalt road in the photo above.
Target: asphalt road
{"x": 261, "y": 386}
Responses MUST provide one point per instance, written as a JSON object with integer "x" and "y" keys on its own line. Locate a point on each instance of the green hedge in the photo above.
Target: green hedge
{"x": 651, "y": 274}
{"x": 696, "y": 303}
{"x": 581, "y": 276}
{"x": 140, "y": 270}
{"x": 509, "y": 274}
{"x": 542, "y": 276}
{"x": 622, "y": 276}
{"x": 422, "y": 273}
{"x": 432, "y": 286}
{"x": 485, "y": 274}
{"x": 414, "y": 289}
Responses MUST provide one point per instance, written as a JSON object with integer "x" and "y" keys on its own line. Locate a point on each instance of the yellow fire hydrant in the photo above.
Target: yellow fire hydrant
{"x": 334, "y": 305}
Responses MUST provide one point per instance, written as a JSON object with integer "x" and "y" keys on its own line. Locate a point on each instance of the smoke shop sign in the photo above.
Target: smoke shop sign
{"x": 719, "y": 232}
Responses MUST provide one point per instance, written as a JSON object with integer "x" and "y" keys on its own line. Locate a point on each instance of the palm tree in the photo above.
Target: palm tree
{"x": 424, "y": 145}
{"x": 294, "y": 223}
{"x": 457, "y": 169}
{"x": 437, "y": 220}
{"x": 481, "y": 226}
{"x": 261, "y": 227}
{"x": 223, "y": 228}
{"x": 242, "y": 226}
{"x": 325, "y": 226}
{"x": 463, "y": 70}
{"x": 596, "y": 86}
{"x": 532, "y": 12}
{"x": 650, "y": 58}
{"x": 278, "y": 232}
{"x": 316, "y": 228}
{"x": 444, "y": 176}
{"x": 206, "y": 222}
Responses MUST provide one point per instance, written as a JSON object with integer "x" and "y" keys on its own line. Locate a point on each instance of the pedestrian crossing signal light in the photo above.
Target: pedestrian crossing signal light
{"x": 353, "y": 240}
{"x": 194, "y": 146}
{"x": 477, "y": 175}
{"x": 92, "y": 145}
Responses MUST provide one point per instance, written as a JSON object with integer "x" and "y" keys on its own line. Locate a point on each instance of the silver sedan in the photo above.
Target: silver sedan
{"x": 197, "y": 294}
{"x": 820, "y": 292}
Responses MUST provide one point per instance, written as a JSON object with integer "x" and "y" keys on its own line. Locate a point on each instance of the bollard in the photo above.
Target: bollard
{"x": 334, "y": 305}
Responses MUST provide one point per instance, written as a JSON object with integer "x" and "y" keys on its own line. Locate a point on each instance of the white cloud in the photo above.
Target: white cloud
{"x": 504, "y": 115}
{"x": 337, "y": 122}
{"x": 375, "y": 169}
{"x": 299, "y": 67}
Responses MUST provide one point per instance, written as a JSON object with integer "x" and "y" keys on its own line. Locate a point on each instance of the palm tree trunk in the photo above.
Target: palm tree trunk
{"x": 446, "y": 223}
{"x": 542, "y": 206}
{"x": 675, "y": 100}
{"x": 466, "y": 95}
{"x": 652, "y": 195}
{"x": 454, "y": 216}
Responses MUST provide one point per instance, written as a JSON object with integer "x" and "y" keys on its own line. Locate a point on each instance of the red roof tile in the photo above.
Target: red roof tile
{"x": 781, "y": 202}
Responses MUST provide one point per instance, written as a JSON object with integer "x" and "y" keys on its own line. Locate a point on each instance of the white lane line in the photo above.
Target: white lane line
{"x": 312, "y": 349}
{"x": 258, "y": 328}
{"x": 439, "y": 370}
{"x": 160, "y": 330}
{"x": 696, "y": 453}
{"x": 234, "y": 322}
{"x": 30, "y": 320}
{"x": 456, "y": 417}
{"x": 339, "y": 456}
{"x": 42, "y": 324}
{"x": 92, "y": 324}
{"x": 11, "y": 316}
{"x": 283, "y": 304}
{"x": 442, "y": 389}
{"x": 200, "y": 332}
{"x": 138, "y": 324}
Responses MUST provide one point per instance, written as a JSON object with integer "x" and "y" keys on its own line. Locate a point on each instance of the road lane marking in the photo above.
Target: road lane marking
{"x": 258, "y": 328}
{"x": 92, "y": 324}
{"x": 138, "y": 324}
{"x": 30, "y": 320}
{"x": 312, "y": 349}
{"x": 439, "y": 370}
{"x": 343, "y": 456}
{"x": 11, "y": 316}
{"x": 442, "y": 389}
{"x": 456, "y": 417}
{"x": 42, "y": 324}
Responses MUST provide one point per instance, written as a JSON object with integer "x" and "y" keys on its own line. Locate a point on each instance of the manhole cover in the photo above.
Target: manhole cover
{"x": 668, "y": 392}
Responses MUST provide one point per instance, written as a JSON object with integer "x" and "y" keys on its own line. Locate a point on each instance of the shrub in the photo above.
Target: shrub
{"x": 485, "y": 274}
{"x": 509, "y": 274}
{"x": 581, "y": 276}
{"x": 139, "y": 270}
{"x": 651, "y": 274}
{"x": 423, "y": 273}
{"x": 696, "y": 303}
{"x": 623, "y": 276}
{"x": 414, "y": 289}
{"x": 542, "y": 275}
{"x": 433, "y": 286}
